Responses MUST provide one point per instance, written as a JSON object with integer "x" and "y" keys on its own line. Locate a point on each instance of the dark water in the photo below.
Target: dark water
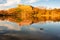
{"x": 37, "y": 31}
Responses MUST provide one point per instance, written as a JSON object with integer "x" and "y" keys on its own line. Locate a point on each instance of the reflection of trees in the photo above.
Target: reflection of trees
{"x": 50, "y": 18}
{"x": 30, "y": 13}
{"x": 13, "y": 15}
{"x": 3, "y": 14}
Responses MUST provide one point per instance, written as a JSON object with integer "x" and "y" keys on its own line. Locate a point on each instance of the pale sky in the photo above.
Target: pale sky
{"x": 5, "y": 4}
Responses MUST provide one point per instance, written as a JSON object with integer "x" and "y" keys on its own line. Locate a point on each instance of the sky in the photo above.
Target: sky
{"x": 5, "y": 4}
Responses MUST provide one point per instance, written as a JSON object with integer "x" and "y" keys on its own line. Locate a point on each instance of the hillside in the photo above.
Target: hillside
{"x": 26, "y": 14}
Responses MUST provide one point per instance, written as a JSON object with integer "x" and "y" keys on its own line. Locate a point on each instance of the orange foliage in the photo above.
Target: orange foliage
{"x": 25, "y": 14}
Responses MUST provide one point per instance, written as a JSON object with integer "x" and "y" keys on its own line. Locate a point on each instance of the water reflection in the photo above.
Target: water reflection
{"x": 9, "y": 25}
{"x": 48, "y": 30}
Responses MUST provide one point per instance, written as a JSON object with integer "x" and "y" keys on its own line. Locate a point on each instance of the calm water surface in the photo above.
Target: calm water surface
{"x": 50, "y": 30}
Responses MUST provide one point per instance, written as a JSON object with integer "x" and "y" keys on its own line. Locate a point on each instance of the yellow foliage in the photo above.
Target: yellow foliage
{"x": 28, "y": 13}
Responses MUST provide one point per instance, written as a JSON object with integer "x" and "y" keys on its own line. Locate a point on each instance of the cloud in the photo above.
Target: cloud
{"x": 9, "y": 3}
{"x": 33, "y": 1}
{"x": 28, "y": 1}
{"x": 12, "y": 3}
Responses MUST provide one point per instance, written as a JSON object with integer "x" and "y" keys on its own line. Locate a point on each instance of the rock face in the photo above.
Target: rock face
{"x": 26, "y": 14}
